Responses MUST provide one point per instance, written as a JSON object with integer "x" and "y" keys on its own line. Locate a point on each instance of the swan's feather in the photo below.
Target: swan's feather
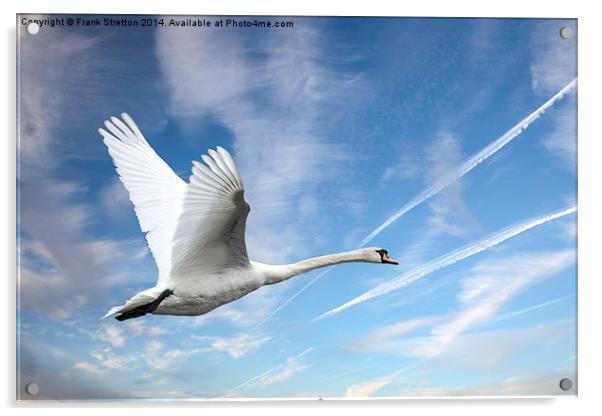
{"x": 210, "y": 235}
{"x": 192, "y": 229}
{"x": 156, "y": 191}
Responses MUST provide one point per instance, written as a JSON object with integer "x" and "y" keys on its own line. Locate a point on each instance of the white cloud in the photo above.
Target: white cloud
{"x": 522, "y": 311}
{"x": 237, "y": 346}
{"x": 282, "y": 372}
{"x": 406, "y": 167}
{"x": 366, "y": 389}
{"x": 475, "y": 160}
{"x": 376, "y": 339}
{"x": 449, "y": 259}
{"x": 112, "y": 334}
{"x": 369, "y": 388}
{"x": 110, "y": 361}
{"x": 115, "y": 200}
{"x": 246, "y": 312}
{"x": 562, "y": 140}
{"x": 450, "y": 213}
{"x": 483, "y": 294}
{"x": 485, "y": 350}
{"x": 274, "y": 106}
{"x": 88, "y": 367}
{"x": 53, "y": 113}
{"x": 492, "y": 285}
{"x": 60, "y": 266}
{"x": 164, "y": 360}
{"x": 139, "y": 328}
{"x": 153, "y": 347}
{"x": 554, "y": 62}
{"x": 290, "y": 369}
{"x": 543, "y": 384}
{"x": 157, "y": 357}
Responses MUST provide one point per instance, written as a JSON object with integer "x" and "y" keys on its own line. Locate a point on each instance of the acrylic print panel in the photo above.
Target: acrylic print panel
{"x": 412, "y": 184}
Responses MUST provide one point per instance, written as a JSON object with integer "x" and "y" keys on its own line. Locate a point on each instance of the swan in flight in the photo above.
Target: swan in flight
{"x": 196, "y": 230}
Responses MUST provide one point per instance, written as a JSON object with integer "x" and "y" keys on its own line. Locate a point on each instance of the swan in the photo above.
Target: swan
{"x": 196, "y": 230}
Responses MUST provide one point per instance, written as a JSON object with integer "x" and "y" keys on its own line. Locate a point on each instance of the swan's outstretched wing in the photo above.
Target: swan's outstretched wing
{"x": 210, "y": 235}
{"x": 156, "y": 191}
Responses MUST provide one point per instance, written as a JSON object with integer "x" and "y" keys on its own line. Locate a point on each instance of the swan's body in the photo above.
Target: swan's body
{"x": 196, "y": 230}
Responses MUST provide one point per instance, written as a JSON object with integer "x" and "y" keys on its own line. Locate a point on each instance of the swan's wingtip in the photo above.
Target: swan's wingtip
{"x": 221, "y": 149}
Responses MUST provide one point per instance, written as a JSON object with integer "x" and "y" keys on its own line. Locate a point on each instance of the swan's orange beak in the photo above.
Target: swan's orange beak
{"x": 388, "y": 260}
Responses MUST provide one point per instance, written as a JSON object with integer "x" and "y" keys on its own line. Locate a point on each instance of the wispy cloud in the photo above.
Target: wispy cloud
{"x": 450, "y": 214}
{"x": 479, "y": 157}
{"x": 245, "y": 313}
{"x": 521, "y": 385}
{"x": 449, "y": 259}
{"x": 139, "y": 328}
{"x": 272, "y": 104}
{"x": 554, "y": 60}
{"x": 88, "y": 367}
{"x": 115, "y": 201}
{"x": 237, "y": 346}
{"x": 492, "y": 285}
{"x": 484, "y": 350}
{"x": 379, "y": 337}
{"x": 562, "y": 140}
{"x": 154, "y": 356}
{"x": 112, "y": 334}
{"x": 284, "y": 371}
{"x": 449, "y": 178}
{"x": 519, "y": 312}
{"x": 49, "y": 101}
{"x": 369, "y": 388}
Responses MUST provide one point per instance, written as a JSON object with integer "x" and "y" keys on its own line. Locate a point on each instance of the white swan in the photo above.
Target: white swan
{"x": 196, "y": 230}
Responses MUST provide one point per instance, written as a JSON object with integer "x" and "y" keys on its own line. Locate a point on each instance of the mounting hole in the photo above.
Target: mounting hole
{"x": 33, "y": 28}
{"x": 566, "y": 384}
{"x": 566, "y": 32}
{"x": 32, "y": 389}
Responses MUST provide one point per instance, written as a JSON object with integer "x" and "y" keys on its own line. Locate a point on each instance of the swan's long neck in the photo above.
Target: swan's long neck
{"x": 279, "y": 273}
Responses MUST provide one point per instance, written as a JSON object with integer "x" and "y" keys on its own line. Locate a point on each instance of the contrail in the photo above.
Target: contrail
{"x": 442, "y": 183}
{"x": 289, "y": 300}
{"x": 523, "y": 311}
{"x": 471, "y": 163}
{"x": 449, "y": 259}
{"x": 271, "y": 370}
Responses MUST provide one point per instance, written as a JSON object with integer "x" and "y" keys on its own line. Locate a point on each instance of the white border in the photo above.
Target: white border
{"x": 589, "y": 203}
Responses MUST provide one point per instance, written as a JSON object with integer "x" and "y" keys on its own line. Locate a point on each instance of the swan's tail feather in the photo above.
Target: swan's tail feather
{"x": 113, "y": 311}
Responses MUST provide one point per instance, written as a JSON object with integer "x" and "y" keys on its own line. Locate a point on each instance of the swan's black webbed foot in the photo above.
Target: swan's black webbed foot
{"x": 144, "y": 309}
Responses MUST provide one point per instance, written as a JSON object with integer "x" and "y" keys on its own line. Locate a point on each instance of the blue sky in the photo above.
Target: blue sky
{"x": 335, "y": 124}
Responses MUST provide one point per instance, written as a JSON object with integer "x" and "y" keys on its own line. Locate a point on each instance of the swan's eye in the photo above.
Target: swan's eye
{"x": 382, "y": 252}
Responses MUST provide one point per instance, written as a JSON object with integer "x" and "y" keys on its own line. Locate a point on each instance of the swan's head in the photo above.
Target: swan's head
{"x": 379, "y": 255}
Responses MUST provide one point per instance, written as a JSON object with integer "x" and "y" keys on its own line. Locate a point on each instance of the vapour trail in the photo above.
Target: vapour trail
{"x": 289, "y": 300}
{"x": 442, "y": 183}
{"x": 523, "y": 311}
{"x": 449, "y": 259}
{"x": 271, "y": 370}
{"x": 471, "y": 163}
